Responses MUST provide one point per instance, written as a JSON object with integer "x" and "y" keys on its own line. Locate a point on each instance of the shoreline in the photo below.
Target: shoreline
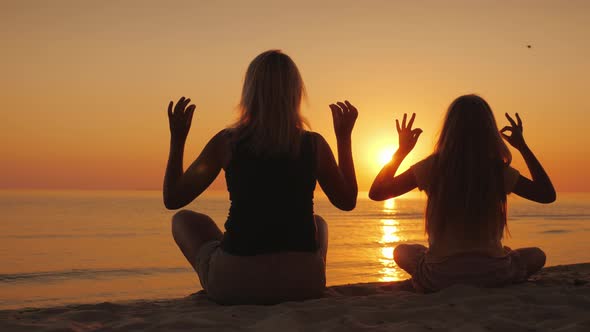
{"x": 557, "y": 297}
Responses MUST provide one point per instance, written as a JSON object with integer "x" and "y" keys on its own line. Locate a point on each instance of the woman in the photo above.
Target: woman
{"x": 274, "y": 247}
{"x": 466, "y": 179}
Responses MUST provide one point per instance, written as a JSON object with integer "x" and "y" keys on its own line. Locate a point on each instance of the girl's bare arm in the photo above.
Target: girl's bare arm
{"x": 540, "y": 189}
{"x": 386, "y": 185}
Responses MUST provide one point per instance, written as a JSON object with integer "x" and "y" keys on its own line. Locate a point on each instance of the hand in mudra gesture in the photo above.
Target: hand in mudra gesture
{"x": 407, "y": 136}
{"x": 344, "y": 116}
{"x": 516, "y": 139}
{"x": 180, "y": 118}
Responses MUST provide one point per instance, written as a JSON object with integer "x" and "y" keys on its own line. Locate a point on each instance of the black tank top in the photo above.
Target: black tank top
{"x": 271, "y": 201}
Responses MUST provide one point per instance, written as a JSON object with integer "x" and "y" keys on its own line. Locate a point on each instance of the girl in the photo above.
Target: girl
{"x": 274, "y": 247}
{"x": 466, "y": 179}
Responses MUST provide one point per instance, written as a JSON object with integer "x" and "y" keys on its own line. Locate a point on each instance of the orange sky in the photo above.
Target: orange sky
{"x": 85, "y": 84}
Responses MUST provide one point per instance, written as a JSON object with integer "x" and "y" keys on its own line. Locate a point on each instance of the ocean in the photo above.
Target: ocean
{"x": 64, "y": 247}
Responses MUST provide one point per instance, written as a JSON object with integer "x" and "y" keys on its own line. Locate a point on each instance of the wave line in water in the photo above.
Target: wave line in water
{"x": 562, "y": 216}
{"x": 88, "y": 274}
{"x": 77, "y": 235}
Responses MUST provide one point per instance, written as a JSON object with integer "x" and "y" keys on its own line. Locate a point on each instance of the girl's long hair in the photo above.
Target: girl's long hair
{"x": 270, "y": 118}
{"x": 467, "y": 189}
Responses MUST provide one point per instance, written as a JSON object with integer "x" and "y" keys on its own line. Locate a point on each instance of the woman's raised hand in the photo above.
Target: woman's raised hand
{"x": 180, "y": 118}
{"x": 407, "y": 136}
{"x": 344, "y": 116}
{"x": 515, "y": 139}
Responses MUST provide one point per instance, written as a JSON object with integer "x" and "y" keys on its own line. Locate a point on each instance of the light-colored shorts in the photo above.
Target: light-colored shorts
{"x": 474, "y": 269}
{"x": 203, "y": 259}
{"x": 260, "y": 279}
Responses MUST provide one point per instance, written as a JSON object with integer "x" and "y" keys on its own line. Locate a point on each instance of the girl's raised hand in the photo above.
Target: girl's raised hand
{"x": 180, "y": 119}
{"x": 344, "y": 116}
{"x": 515, "y": 139}
{"x": 407, "y": 136}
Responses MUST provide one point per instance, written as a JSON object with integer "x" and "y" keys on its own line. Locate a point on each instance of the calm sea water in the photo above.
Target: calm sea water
{"x": 59, "y": 247}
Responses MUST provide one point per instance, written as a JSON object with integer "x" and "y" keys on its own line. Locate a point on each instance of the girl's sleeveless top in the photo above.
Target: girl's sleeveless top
{"x": 271, "y": 201}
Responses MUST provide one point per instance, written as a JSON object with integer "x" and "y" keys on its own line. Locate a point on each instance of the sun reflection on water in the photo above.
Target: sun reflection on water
{"x": 390, "y": 237}
{"x": 390, "y": 233}
{"x": 389, "y": 205}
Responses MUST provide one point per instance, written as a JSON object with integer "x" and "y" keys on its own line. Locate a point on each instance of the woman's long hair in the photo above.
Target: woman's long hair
{"x": 467, "y": 187}
{"x": 270, "y": 108}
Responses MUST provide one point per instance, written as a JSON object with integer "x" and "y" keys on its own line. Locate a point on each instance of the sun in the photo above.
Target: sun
{"x": 384, "y": 156}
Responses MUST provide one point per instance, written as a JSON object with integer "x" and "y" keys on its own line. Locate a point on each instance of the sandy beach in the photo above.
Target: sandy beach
{"x": 557, "y": 299}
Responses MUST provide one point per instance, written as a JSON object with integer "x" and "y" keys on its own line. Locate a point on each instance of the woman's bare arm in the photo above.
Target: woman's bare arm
{"x": 540, "y": 189}
{"x": 386, "y": 185}
{"x": 181, "y": 188}
{"x": 338, "y": 181}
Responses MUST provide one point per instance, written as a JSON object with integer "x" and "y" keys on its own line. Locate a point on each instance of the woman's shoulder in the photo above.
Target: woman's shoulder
{"x": 311, "y": 134}
{"x": 315, "y": 138}
{"x": 227, "y": 132}
{"x": 316, "y": 146}
{"x": 222, "y": 137}
{"x": 220, "y": 146}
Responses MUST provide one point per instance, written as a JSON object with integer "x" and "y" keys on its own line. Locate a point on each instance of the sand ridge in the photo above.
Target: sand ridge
{"x": 557, "y": 299}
